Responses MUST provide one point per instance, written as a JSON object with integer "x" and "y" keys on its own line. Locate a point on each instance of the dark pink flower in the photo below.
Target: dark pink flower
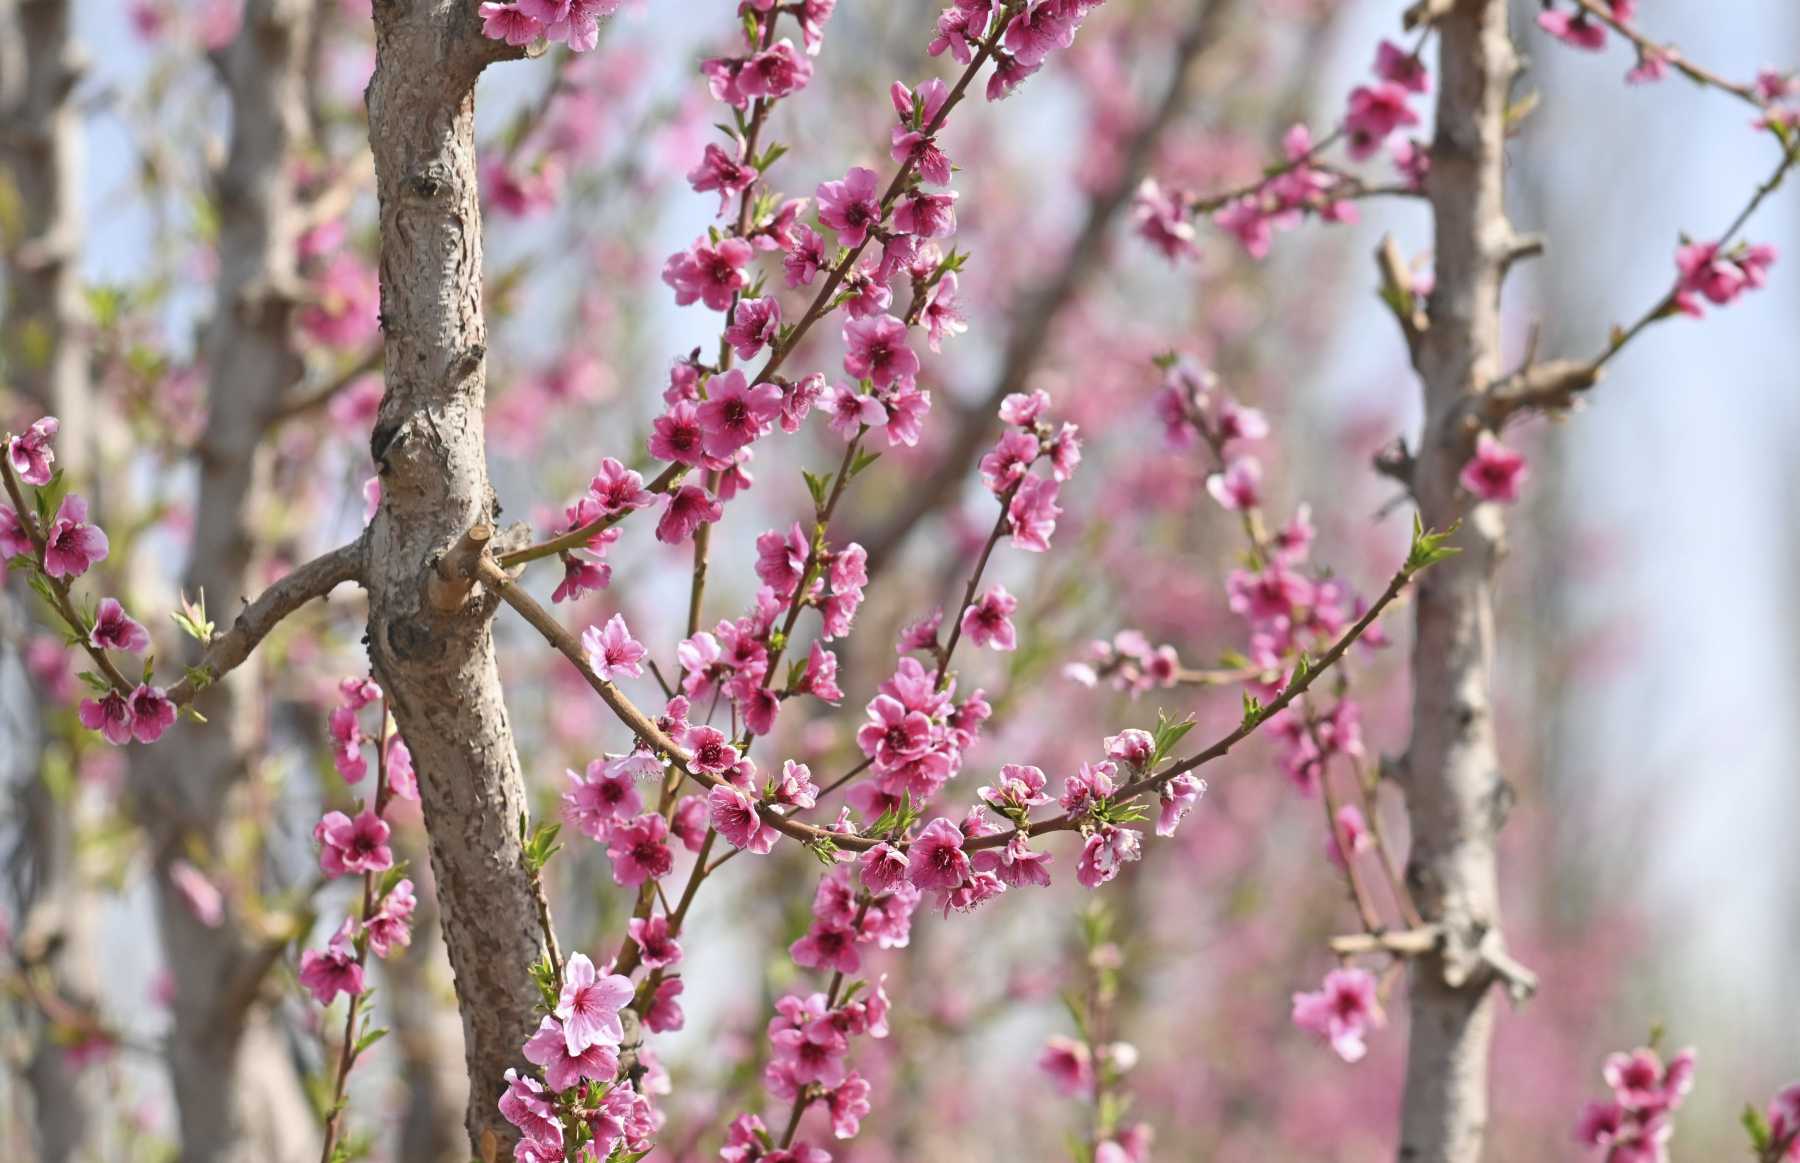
{"x": 72, "y": 546}
{"x": 875, "y": 349}
{"x": 850, "y": 206}
{"x": 334, "y": 971}
{"x": 1574, "y": 28}
{"x": 1107, "y": 849}
{"x": 658, "y": 947}
{"x": 688, "y": 508}
{"x": 611, "y": 650}
{"x": 391, "y": 926}
{"x": 1033, "y": 513}
{"x": 114, "y": 629}
{"x": 827, "y": 946}
{"x": 639, "y": 850}
{"x": 1495, "y": 472}
{"x": 725, "y": 172}
{"x": 356, "y": 846}
{"x": 775, "y": 72}
{"x": 712, "y": 273}
{"x": 1341, "y": 1011}
{"x": 755, "y": 324}
{"x": 736, "y": 413}
{"x": 152, "y": 713}
{"x": 936, "y": 859}
{"x": 1069, "y": 1065}
{"x": 1375, "y": 112}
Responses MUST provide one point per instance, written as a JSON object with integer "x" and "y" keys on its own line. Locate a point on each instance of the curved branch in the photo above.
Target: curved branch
{"x": 315, "y": 579}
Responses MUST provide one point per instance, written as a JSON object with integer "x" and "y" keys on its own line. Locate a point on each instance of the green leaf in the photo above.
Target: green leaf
{"x": 369, "y": 1038}
{"x": 1428, "y": 546}
{"x": 864, "y": 459}
{"x": 1253, "y": 709}
{"x": 818, "y": 486}
{"x": 1756, "y": 1126}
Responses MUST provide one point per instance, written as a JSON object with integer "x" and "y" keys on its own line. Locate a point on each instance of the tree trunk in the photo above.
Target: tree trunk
{"x": 235, "y": 1084}
{"x": 437, "y": 665}
{"x": 1454, "y": 791}
{"x": 45, "y": 344}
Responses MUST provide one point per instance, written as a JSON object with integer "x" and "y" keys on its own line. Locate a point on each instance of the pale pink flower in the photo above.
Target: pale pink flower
{"x": 875, "y": 349}
{"x": 658, "y": 947}
{"x": 611, "y": 650}
{"x": 589, "y": 1005}
{"x": 936, "y": 859}
{"x": 390, "y": 927}
{"x": 1239, "y": 487}
{"x": 1033, "y": 513}
{"x": 1068, "y": 1064}
{"x": 988, "y": 621}
{"x": 31, "y": 455}
{"x": 72, "y": 546}
{"x": 851, "y": 206}
{"x": 738, "y": 818}
{"x": 549, "y": 1049}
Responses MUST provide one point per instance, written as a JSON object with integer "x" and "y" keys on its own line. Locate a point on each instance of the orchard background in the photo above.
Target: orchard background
{"x": 391, "y": 300}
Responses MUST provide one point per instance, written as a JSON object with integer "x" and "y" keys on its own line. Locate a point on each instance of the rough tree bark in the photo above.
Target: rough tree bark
{"x": 236, "y": 1088}
{"x": 1455, "y": 795}
{"x": 46, "y": 347}
{"x": 435, "y": 656}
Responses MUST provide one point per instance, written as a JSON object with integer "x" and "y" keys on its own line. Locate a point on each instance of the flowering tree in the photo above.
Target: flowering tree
{"x": 731, "y": 735}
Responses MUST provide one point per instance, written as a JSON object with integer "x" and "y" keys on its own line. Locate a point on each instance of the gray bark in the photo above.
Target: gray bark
{"x": 437, "y": 665}
{"x": 46, "y": 347}
{"x": 1454, "y": 790}
{"x": 235, "y": 1084}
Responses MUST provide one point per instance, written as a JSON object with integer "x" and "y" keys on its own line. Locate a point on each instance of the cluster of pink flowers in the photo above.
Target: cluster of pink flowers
{"x": 1577, "y": 27}
{"x": 1128, "y": 662}
{"x": 71, "y": 545}
{"x": 1708, "y": 271}
{"x": 348, "y": 738}
{"x": 613, "y": 492}
{"x": 581, "y": 1109}
{"x": 572, "y": 22}
{"x": 809, "y": 1039}
{"x": 1300, "y": 185}
{"x": 1634, "y": 1125}
{"x": 1342, "y": 1011}
{"x": 1287, "y": 612}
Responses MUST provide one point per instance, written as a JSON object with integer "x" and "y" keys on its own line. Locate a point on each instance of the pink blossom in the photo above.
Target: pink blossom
{"x": 725, "y": 172}
{"x": 677, "y": 435}
{"x": 1495, "y": 472}
{"x": 608, "y": 792}
{"x": 804, "y": 258}
{"x": 110, "y": 715}
{"x": 152, "y": 713}
{"x": 618, "y": 489}
{"x": 849, "y": 1104}
{"x": 827, "y": 946}
{"x": 709, "y": 750}
{"x": 1033, "y": 513}
{"x": 687, "y": 509}
{"x": 736, "y": 815}
{"x": 1375, "y": 112}
{"x": 1161, "y": 217}
{"x": 1107, "y": 849}
{"x": 755, "y": 324}
{"x": 820, "y": 677}
{"x": 1178, "y": 797}
{"x": 1395, "y": 64}
{"x": 612, "y": 651}
{"x": 1341, "y": 1011}
{"x": 589, "y": 1004}
{"x": 349, "y": 846}
{"x": 906, "y": 405}
{"x": 936, "y": 859}
{"x": 711, "y": 273}
{"x": 639, "y": 850}
{"x": 1068, "y": 1064}
{"x": 31, "y": 455}
{"x": 658, "y": 946}
{"x": 14, "y": 540}
{"x": 736, "y": 412}
{"x": 851, "y": 410}
{"x": 508, "y": 22}
{"x": 1720, "y": 278}
{"x": 988, "y": 622}
{"x": 525, "y": 1107}
{"x": 1239, "y": 487}
{"x": 549, "y": 1049}
{"x": 850, "y": 206}
{"x": 114, "y": 629}
{"x": 1784, "y": 1118}
{"x": 390, "y": 927}
{"x": 875, "y": 349}
{"x": 334, "y": 971}
{"x": 72, "y": 546}
{"x": 1573, "y": 28}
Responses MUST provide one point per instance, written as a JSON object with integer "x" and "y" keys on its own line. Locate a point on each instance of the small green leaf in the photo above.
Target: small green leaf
{"x": 1756, "y": 1126}
{"x": 369, "y": 1038}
